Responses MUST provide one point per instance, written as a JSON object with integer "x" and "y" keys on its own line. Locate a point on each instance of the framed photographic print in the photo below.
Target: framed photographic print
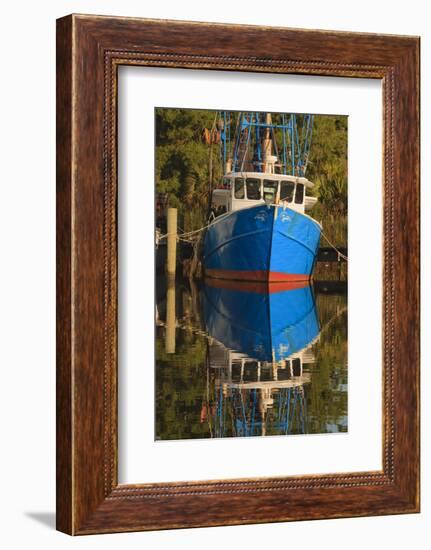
{"x": 237, "y": 274}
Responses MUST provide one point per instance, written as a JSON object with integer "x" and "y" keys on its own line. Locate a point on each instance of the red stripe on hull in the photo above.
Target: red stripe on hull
{"x": 259, "y": 287}
{"x": 257, "y": 276}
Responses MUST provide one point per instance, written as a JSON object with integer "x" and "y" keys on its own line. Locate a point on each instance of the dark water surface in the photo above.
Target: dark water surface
{"x": 236, "y": 360}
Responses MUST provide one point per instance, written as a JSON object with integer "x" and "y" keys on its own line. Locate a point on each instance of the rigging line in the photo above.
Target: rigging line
{"x": 217, "y": 220}
{"x": 336, "y": 315}
{"x": 334, "y": 247}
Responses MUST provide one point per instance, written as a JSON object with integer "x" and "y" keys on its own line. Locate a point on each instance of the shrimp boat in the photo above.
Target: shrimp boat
{"x": 258, "y": 226}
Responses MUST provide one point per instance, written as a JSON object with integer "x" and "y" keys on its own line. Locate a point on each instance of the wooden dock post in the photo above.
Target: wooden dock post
{"x": 172, "y": 241}
{"x": 170, "y": 316}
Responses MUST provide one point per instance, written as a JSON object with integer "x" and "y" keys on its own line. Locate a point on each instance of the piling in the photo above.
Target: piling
{"x": 172, "y": 241}
{"x": 170, "y": 316}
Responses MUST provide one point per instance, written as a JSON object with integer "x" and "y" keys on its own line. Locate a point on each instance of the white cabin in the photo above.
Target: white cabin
{"x": 245, "y": 189}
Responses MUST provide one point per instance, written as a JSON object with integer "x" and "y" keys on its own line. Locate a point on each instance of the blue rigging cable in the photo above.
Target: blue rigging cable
{"x": 296, "y": 136}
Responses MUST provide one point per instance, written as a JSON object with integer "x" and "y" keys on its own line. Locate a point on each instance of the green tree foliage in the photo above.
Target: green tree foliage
{"x": 184, "y": 163}
{"x": 328, "y": 171}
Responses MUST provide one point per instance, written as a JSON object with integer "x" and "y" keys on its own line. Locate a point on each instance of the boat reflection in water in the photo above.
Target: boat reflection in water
{"x": 261, "y": 336}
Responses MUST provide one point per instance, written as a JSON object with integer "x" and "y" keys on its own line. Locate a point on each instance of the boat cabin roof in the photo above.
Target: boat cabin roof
{"x": 273, "y": 177}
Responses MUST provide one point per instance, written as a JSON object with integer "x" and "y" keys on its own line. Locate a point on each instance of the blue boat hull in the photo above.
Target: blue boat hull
{"x": 263, "y": 324}
{"x": 262, "y": 243}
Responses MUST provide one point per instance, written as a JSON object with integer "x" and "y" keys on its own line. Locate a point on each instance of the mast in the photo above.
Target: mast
{"x": 267, "y": 144}
{"x": 268, "y": 164}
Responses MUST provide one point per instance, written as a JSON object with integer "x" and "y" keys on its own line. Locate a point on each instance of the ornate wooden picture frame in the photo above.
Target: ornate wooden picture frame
{"x": 89, "y": 51}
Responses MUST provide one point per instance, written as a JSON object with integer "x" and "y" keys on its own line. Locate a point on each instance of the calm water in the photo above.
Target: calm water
{"x": 234, "y": 360}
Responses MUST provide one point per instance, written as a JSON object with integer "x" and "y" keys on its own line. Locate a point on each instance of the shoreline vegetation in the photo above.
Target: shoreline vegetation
{"x": 188, "y": 164}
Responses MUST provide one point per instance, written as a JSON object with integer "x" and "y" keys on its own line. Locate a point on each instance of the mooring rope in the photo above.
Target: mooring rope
{"x": 189, "y": 233}
{"x": 334, "y": 247}
{"x": 184, "y": 235}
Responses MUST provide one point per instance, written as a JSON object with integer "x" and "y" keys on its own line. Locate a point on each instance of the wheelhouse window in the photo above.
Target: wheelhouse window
{"x": 253, "y": 189}
{"x": 270, "y": 190}
{"x": 286, "y": 191}
{"x": 239, "y": 188}
{"x": 299, "y": 195}
{"x": 226, "y": 183}
{"x": 296, "y": 363}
